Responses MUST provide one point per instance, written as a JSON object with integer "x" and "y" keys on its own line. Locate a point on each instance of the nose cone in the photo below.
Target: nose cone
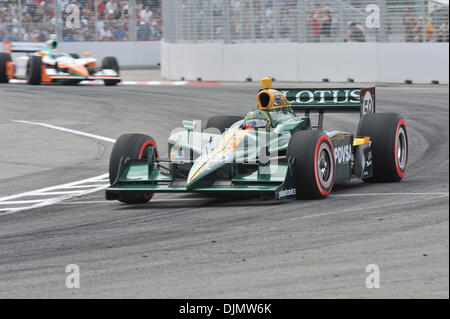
{"x": 200, "y": 173}
{"x": 78, "y": 70}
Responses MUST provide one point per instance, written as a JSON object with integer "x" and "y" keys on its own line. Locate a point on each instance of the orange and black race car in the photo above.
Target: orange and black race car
{"x": 48, "y": 64}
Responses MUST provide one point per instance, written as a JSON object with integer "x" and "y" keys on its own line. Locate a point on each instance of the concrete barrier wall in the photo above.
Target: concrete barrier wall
{"x": 129, "y": 54}
{"x": 139, "y": 53}
{"x": 364, "y": 62}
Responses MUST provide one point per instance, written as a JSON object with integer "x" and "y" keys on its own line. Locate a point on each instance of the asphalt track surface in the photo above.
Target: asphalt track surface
{"x": 184, "y": 245}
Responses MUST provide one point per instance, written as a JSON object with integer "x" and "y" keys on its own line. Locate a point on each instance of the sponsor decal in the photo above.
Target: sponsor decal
{"x": 177, "y": 153}
{"x": 323, "y": 97}
{"x": 287, "y": 192}
{"x": 343, "y": 154}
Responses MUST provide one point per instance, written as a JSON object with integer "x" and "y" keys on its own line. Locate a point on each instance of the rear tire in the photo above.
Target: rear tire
{"x": 34, "y": 70}
{"x": 389, "y": 148}
{"x": 110, "y": 62}
{"x": 222, "y": 122}
{"x": 315, "y": 166}
{"x": 133, "y": 146}
{"x": 4, "y": 59}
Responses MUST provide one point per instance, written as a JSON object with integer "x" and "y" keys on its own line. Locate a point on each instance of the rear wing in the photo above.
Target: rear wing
{"x": 357, "y": 100}
{"x": 21, "y": 47}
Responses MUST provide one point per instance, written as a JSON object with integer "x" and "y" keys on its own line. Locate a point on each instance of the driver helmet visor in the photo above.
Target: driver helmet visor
{"x": 256, "y": 123}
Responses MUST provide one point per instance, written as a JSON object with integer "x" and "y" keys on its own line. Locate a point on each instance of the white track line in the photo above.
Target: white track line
{"x": 390, "y": 194}
{"x": 42, "y": 190}
{"x": 63, "y": 129}
{"x": 49, "y": 191}
{"x": 21, "y": 202}
{"x": 62, "y": 192}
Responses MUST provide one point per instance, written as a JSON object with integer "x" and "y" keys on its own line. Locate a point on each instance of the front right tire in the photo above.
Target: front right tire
{"x": 390, "y": 147}
{"x": 222, "y": 122}
{"x": 110, "y": 62}
{"x": 34, "y": 70}
{"x": 315, "y": 166}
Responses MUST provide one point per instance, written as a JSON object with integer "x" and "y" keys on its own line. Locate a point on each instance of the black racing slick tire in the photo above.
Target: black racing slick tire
{"x": 74, "y": 55}
{"x": 134, "y": 146}
{"x": 315, "y": 166}
{"x": 110, "y": 62}
{"x": 389, "y": 136}
{"x": 4, "y": 59}
{"x": 34, "y": 70}
{"x": 222, "y": 122}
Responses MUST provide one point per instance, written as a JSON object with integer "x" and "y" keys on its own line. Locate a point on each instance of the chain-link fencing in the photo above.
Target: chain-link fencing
{"x": 232, "y": 21}
{"x": 80, "y": 20}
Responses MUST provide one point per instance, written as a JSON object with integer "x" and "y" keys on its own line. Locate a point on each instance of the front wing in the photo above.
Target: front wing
{"x": 278, "y": 180}
{"x": 51, "y": 75}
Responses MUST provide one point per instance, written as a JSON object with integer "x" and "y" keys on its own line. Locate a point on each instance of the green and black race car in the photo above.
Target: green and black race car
{"x": 271, "y": 150}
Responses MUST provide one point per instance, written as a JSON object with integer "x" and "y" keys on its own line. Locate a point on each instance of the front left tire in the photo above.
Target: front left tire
{"x": 4, "y": 59}
{"x": 134, "y": 146}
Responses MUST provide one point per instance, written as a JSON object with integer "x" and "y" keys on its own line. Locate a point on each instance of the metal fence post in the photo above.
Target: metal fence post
{"x": 226, "y": 21}
{"x": 423, "y": 13}
{"x": 58, "y": 22}
{"x": 96, "y": 20}
{"x": 169, "y": 18}
{"x": 342, "y": 22}
{"x": 383, "y": 18}
{"x": 19, "y": 19}
{"x": 302, "y": 25}
{"x": 211, "y": 21}
{"x": 252, "y": 20}
{"x": 276, "y": 16}
{"x": 132, "y": 20}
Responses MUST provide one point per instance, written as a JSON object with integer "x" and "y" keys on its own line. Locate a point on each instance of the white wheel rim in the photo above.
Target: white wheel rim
{"x": 402, "y": 149}
{"x": 324, "y": 164}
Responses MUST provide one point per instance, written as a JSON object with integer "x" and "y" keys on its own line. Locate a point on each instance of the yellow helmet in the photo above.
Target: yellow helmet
{"x": 269, "y": 99}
